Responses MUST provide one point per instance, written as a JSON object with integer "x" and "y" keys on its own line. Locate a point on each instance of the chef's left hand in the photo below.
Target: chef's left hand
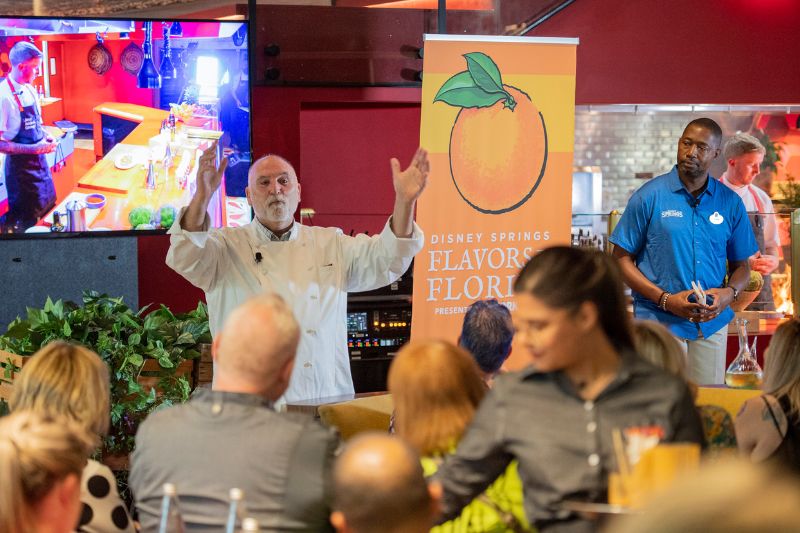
{"x": 765, "y": 264}
{"x": 409, "y": 183}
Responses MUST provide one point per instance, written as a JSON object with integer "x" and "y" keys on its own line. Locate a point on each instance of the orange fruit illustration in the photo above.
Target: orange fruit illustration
{"x": 498, "y": 155}
{"x": 498, "y": 143}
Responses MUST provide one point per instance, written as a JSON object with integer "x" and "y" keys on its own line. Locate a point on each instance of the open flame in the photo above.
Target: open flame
{"x": 782, "y": 291}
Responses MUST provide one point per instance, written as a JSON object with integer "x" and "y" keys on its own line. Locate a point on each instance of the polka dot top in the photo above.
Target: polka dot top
{"x": 103, "y": 510}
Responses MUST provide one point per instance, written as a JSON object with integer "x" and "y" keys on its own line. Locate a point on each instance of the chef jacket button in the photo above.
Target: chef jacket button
{"x": 591, "y": 427}
{"x": 588, "y": 405}
{"x": 216, "y": 408}
{"x": 593, "y": 460}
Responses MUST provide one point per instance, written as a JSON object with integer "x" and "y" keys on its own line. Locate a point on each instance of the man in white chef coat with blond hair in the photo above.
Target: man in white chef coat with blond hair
{"x": 312, "y": 268}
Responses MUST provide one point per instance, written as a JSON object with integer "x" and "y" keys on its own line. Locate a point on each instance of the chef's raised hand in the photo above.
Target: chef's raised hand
{"x": 209, "y": 175}
{"x": 408, "y": 185}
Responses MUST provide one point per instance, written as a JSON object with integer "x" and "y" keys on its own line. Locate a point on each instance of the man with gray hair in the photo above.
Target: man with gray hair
{"x": 380, "y": 488}
{"x": 230, "y": 436}
{"x": 31, "y": 193}
{"x": 744, "y": 155}
{"x": 311, "y": 267}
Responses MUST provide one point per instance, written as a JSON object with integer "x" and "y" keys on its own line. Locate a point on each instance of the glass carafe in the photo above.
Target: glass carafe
{"x": 744, "y": 372}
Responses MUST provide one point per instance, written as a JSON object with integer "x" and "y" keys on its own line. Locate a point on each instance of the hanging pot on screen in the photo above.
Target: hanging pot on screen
{"x": 100, "y": 59}
{"x": 131, "y": 58}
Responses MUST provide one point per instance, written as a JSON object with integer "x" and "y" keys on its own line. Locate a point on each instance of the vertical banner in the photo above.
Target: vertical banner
{"x": 498, "y": 121}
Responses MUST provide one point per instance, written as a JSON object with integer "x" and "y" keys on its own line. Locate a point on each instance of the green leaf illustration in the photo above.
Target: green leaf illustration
{"x": 479, "y": 86}
{"x": 484, "y": 71}
{"x": 461, "y": 80}
{"x": 461, "y": 91}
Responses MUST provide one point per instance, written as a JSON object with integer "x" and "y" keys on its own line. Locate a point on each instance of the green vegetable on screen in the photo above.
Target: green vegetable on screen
{"x": 166, "y": 216}
{"x": 139, "y": 216}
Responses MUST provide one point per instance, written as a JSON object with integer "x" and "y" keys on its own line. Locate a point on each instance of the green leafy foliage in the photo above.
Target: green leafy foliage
{"x": 790, "y": 191}
{"x": 772, "y": 149}
{"x": 479, "y": 86}
{"x": 125, "y": 340}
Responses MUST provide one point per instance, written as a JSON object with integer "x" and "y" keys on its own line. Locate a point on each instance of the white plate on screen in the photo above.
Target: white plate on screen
{"x": 38, "y": 229}
{"x": 124, "y": 161}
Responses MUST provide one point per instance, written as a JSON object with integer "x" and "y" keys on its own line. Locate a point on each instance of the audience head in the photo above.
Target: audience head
{"x": 436, "y": 388}
{"x": 655, "y": 344}
{"x": 744, "y": 155}
{"x": 255, "y": 350}
{"x": 65, "y": 380}
{"x": 723, "y": 497}
{"x": 782, "y": 364}
{"x": 380, "y": 488}
{"x": 568, "y": 299}
{"x": 487, "y": 334}
{"x": 41, "y": 462}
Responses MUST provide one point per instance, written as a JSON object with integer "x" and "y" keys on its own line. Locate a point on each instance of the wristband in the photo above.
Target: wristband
{"x": 735, "y": 292}
{"x": 662, "y": 300}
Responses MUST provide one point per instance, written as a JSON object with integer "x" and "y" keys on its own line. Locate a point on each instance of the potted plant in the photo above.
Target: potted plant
{"x": 149, "y": 354}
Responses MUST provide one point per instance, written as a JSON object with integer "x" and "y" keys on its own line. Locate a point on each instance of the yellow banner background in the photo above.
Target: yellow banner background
{"x": 468, "y": 254}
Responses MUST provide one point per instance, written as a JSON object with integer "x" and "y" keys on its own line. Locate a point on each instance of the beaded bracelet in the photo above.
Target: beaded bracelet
{"x": 662, "y": 300}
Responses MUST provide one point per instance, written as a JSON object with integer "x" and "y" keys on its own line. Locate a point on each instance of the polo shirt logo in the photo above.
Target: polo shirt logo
{"x": 671, "y": 213}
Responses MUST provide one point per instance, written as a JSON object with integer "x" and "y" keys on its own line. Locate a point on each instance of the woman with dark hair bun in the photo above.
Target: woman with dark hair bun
{"x": 557, "y": 418}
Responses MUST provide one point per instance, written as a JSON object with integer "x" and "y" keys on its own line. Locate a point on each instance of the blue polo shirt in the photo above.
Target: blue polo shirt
{"x": 676, "y": 239}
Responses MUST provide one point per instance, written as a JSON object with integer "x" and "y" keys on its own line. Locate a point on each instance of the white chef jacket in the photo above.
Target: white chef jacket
{"x": 748, "y": 194}
{"x": 313, "y": 271}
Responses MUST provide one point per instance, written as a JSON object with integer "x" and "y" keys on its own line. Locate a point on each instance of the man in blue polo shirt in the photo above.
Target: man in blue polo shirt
{"x": 682, "y": 227}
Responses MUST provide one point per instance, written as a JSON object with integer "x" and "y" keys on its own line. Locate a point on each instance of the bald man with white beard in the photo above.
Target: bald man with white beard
{"x": 231, "y": 436}
{"x": 311, "y": 267}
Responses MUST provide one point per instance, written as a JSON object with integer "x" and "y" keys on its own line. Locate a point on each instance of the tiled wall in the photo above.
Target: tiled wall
{"x": 623, "y": 144}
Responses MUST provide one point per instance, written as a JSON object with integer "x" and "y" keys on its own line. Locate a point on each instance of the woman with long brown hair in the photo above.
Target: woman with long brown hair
{"x": 586, "y": 381}
{"x": 436, "y": 388}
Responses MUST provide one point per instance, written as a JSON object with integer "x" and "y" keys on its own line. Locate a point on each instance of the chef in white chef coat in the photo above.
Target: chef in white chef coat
{"x": 312, "y": 268}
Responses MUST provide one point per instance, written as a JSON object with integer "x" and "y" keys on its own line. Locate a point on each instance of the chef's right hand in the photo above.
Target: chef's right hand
{"x": 46, "y": 145}
{"x": 679, "y": 304}
{"x": 209, "y": 176}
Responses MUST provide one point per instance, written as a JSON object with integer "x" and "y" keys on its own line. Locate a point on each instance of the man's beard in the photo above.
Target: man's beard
{"x": 277, "y": 209}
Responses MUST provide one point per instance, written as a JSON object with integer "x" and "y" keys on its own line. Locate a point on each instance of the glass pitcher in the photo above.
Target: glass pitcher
{"x": 744, "y": 372}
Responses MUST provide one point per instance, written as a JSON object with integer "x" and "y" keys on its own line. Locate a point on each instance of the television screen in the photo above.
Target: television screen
{"x": 102, "y": 122}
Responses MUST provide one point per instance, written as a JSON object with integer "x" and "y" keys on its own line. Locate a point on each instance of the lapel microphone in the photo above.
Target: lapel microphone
{"x": 259, "y": 257}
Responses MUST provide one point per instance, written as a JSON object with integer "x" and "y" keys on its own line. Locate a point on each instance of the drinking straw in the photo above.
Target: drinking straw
{"x": 619, "y": 451}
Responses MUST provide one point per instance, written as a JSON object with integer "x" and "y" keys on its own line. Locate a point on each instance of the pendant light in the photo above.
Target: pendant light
{"x": 148, "y": 77}
{"x": 167, "y": 69}
{"x": 176, "y": 30}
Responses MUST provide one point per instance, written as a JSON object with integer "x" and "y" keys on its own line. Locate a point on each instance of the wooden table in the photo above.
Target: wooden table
{"x": 729, "y": 399}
